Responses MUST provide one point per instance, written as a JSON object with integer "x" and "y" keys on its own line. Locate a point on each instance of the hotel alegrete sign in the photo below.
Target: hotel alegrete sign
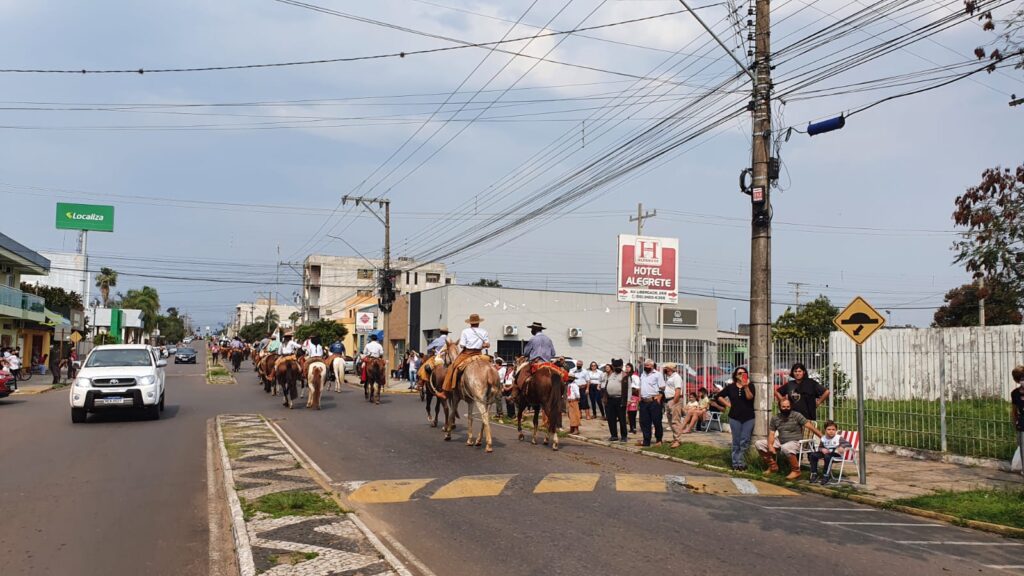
{"x": 85, "y": 217}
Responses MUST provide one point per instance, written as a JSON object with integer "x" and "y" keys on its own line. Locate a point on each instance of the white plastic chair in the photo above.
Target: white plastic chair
{"x": 714, "y": 418}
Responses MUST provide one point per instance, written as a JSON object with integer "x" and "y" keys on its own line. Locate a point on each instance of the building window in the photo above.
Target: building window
{"x": 364, "y": 293}
{"x": 406, "y": 277}
{"x": 364, "y": 274}
{"x": 416, "y": 275}
{"x": 433, "y": 277}
{"x": 447, "y": 280}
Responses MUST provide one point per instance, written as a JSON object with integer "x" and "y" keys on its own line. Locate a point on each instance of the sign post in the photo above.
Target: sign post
{"x": 648, "y": 269}
{"x": 85, "y": 217}
{"x": 859, "y": 321}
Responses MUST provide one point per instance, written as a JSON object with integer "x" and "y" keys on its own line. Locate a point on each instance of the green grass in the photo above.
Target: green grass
{"x": 281, "y": 504}
{"x": 979, "y": 428}
{"x": 1005, "y": 507}
{"x": 704, "y": 454}
{"x": 217, "y": 371}
{"x": 292, "y": 558}
{"x": 233, "y": 448}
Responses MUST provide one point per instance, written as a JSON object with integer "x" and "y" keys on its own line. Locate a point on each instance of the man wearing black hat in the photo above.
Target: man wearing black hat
{"x": 616, "y": 392}
{"x": 540, "y": 347}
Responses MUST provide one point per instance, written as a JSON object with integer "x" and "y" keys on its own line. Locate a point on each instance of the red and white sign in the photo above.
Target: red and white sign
{"x": 648, "y": 269}
{"x": 364, "y": 323}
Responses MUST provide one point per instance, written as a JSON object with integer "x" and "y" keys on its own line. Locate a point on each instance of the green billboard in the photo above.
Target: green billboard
{"x": 85, "y": 217}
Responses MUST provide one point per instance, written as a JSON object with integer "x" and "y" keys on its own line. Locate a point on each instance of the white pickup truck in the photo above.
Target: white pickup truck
{"x": 119, "y": 377}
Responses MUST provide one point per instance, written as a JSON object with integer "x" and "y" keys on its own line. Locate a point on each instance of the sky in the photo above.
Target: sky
{"x": 219, "y": 176}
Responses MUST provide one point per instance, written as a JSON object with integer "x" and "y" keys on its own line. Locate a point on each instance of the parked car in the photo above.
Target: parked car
{"x": 707, "y": 375}
{"x": 8, "y": 384}
{"x": 185, "y": 356}
{"x": 350, "y": 364}
{"x": 119, "y": 377}
{"x": 172, "y": 350}
{"x": 781, "y": 377}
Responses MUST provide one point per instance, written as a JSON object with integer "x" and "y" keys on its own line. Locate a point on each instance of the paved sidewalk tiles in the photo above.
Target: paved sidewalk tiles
{"x": 317, "y": 545}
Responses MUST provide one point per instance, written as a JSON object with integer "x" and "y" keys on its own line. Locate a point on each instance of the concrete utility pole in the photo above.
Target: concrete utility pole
{"x": 796, "y": 290}
{"x": 761, "y": 218}
{"x": 636, "y": 342}
{"x": 386, "y": 276}
{"x": 981, "y": 302}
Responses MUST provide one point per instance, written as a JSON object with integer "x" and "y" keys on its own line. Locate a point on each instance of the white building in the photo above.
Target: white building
{"x": 67, "y": 271}
{"x": 584, "y": 326}
{"x": 334, "y": 286}
{"x": 248, "y": 312}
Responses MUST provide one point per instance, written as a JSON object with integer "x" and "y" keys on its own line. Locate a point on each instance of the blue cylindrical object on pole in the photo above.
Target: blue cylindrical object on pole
{"x": 826, "y": 125}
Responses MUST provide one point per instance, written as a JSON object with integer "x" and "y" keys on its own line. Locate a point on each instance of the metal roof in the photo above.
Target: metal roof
{"x": 29, "y": 260}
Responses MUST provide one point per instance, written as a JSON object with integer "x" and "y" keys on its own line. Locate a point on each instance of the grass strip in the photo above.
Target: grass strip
{"x": 295, "y": 503}
{"x": 1003, "y": 507}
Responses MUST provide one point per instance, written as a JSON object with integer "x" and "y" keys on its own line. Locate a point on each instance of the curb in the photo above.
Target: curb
{"x": 38, "y": 391}
{"x": 1008, "y": 531}
{"x": 246, "y": 564}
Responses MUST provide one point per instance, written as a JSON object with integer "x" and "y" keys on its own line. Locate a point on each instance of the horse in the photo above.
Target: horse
{"x": 286, "y": 375}
{"x": 480, "y": 386}
{"x": 336, "y": 364}
{"x": 316, "y": 372}
{"x": 430, "y": 384}
{"x": 545, "y": 389}
{"x": 376, "y": 376}
{"x": 265, "y": 368}
{"x": 236, "y": 359}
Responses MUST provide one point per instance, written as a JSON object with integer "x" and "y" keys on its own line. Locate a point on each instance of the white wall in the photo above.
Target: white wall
{"x": 66, "y": 271}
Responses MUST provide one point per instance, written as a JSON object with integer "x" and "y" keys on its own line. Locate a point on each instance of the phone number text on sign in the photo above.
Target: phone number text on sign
{"x": 648, "y": 269}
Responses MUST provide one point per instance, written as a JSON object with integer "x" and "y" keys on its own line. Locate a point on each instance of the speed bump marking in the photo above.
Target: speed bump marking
{"x": 640, "y": 483}
{"x": 473, "y": 487}
{"x": 553, "y": 483}
{"x": 387, "y": 491}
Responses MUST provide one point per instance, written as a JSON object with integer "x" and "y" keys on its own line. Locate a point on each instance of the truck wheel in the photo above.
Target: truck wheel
{"x": 161, "y": 402}
{"x": 78, "y": 415}
{"x": 153, "y": 412}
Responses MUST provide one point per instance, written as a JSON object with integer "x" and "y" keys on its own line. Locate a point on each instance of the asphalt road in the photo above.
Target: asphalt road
{"x": 119, "y": 496}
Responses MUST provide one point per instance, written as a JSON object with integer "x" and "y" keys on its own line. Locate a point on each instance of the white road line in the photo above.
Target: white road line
{"x": 293, "y": 447}
{"x": 911, "y": 524}
{"x": 1005, "y": 566}
{"x": 745, "y": 486}
{"x": 802, "y": 508}
{"x": 408, "y": 555}
{"x": 963, "y": 543}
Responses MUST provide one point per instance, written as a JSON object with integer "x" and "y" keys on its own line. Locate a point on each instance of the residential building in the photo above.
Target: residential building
{"x": 19, "y": 310}
{"x": 248, "y": 312}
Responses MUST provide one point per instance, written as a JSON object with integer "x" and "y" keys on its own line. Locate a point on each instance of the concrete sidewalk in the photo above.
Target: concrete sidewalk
{"x": 889, "y": 477}
{"x": 25, "y": 389}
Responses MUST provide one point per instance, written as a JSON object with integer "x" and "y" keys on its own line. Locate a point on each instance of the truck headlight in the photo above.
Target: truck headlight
{"x": 147, "y": 380}
{"x": 82, "y": 382}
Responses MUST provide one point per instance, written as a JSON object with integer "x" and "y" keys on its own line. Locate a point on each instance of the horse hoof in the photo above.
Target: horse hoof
{"x": 522, "y": 437}
{"x": 376, "y": 402}
{"x": 554, "y": 448}
{"x": 479, "y": 443}
{"x": 545, "y": 442}
{"x": 534, "y": 442}
{"x": 447, "y": 438}
{"x": 489, "y": 450}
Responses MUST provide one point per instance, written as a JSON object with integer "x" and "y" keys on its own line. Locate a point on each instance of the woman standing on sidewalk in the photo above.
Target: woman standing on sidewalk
{"x": 594, "y": 377}
{"x": 634, "y": 395}
{"x": 738, "y": 398}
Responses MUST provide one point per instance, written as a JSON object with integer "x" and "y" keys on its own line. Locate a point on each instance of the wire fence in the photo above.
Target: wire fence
{"x": 939, "y": 389}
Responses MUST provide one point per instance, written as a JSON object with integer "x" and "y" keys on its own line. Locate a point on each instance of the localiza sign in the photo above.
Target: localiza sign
{"x": 648, "y": 269}
{"x": 85, "y": 217}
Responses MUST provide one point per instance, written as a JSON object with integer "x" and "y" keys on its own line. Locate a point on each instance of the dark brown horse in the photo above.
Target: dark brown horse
{"x": 236, "y": 357}
{"x": 266, "y": 372}
{"x": 376, "y": 377}
{"x": 543, "y": 388}
{"x": 431, "y": 381}
{"x": 286, "y": 375}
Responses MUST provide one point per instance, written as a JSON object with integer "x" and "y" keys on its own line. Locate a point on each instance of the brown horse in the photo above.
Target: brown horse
{"x": 316, "y": 373}
{"x": 376, "y": 375}
{"x": 430, "y": 382}
{"x": 236, "y": 359}
{"x": 480, "y": 386}
{"x": 286, "y": 375}
{"x": 544, "y": 389}
{"x": 265, "y": 368}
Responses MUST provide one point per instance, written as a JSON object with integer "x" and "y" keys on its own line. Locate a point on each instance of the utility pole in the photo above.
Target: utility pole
{"x": 796, "y": 290}
{"x": 636, "y": 342}
{"x": 386, "y": 281}
{"x": 981, "y": 302}
{"x": 761, "y": 218}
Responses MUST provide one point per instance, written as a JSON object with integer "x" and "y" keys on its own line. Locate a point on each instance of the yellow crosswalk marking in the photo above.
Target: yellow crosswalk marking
{"x": 553, "y": 483}
{"x": 387, "y": 491}
{"x": 473, "y": 486}
{"x": 640, "y": 483}
{"x": 769, "y": 489}
{"x": 717, "y": 485}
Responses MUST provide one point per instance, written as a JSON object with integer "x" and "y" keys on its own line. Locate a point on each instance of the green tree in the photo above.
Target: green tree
{"x": 327, "y": 330}
{"x": 105, "y": 280}
{"x": 294, "y": 317}
{"x": 812, "y": 320}
{"x": 253, "y": 332}
{"x": 147, "y": 300}
{"x": 104, "y": 338}
{"x": 172, "y": 327}
{"x": 992, "y": 214}
{"x": 1002, "y": 306}
{"x": 57, "y": 299}
{"x": 271, "y": 319}
{"x": 487, "y": 283}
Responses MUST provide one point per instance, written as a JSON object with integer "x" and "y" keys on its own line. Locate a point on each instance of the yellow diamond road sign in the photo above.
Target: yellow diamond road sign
{"x": 76, "y": 337}
{"x": 859, "y": 320}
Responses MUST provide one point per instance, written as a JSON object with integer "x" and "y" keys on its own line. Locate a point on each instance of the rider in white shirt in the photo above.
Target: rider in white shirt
{"x": 290, "y": 346}
{"x": 373, "y": 349}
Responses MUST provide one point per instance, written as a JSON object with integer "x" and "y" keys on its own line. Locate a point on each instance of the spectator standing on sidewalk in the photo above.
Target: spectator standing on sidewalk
{"x": 580, "y": 377}
{"x": 805, "y": 394}
{"x": 1017, "y": 411}
{"x": 616, "y": 392}
{"x": 633, "y": 403}
{"x": 673, "y": 400}
{"x": 652, "y": 391}
{"x": 594, "y": 379}
{"x": 572, "y": 401}
{"x": 738, "y": 398}
{"x": 414, "y": 367}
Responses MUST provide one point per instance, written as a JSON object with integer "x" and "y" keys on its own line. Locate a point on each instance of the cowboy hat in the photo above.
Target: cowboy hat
{"x": 669, "y": 366}
{"x": 474, "y": 319}
{"x": 443, "y": 330}
{"x": 536, "y": 326}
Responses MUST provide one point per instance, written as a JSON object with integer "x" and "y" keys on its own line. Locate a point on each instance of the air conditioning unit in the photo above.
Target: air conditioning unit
{"x": 575, "y": 332}
{"x": 510, "y": 330}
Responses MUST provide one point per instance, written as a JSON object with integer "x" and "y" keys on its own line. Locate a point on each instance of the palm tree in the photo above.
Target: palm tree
{"x": 272, "y": 318}
{"x": 106, "y": 278}
{"x": 294, "y": 317}
{"x": 147, "y": 300}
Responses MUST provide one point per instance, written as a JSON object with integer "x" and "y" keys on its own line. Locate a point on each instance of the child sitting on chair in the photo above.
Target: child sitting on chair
{"x": 832, "y": 446}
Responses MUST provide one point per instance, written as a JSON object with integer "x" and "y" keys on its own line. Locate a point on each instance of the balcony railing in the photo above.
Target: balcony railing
{"x": 21, "y": 300}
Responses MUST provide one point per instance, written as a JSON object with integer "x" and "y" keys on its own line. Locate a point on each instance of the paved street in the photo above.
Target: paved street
{"x": 119, "y": 496}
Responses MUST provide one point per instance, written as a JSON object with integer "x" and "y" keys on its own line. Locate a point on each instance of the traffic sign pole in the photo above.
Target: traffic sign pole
{"x": 862, "y": 464}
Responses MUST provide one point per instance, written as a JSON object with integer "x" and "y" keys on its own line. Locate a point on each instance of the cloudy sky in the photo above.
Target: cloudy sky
{"x": 520, "y": 161}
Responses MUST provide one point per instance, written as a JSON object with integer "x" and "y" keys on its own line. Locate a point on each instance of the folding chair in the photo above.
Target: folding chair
{"x": 714, "y": 418}
{"x": 853, "y": 437}
{"x": 808, "y": 444}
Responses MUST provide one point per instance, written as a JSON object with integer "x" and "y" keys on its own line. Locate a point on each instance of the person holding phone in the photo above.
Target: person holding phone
{"x": 738, "y": 398}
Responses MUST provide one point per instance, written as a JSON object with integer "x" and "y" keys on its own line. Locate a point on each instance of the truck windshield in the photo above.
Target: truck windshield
{"x": 131, "y": 357}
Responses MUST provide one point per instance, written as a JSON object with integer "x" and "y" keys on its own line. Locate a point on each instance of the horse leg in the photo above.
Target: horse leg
{"x": 485, "y": 431}
{"x": 519, "y": 419}
{"x": 376, "y": 400}
{"x": 553, "y": 434}
{"x": 482, "y": 409}
{"x": 536, "y": 418}
{"x": 469, "y": 426}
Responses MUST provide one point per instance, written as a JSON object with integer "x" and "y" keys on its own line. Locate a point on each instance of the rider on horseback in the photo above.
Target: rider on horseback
{"x": 373, "y": 349}
{"x": 538, "y": 350}
{"x": 472, "y": 342}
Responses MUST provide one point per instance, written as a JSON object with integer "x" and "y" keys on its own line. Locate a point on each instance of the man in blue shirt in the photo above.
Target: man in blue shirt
{"x": 540, "y": 348}
{"x": 337, "y": 347}
{"x": 438, "y": 343}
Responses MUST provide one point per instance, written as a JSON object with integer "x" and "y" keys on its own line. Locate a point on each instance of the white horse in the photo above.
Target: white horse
{"x": 338, "y": 367}
{"x": 316, "y": 373}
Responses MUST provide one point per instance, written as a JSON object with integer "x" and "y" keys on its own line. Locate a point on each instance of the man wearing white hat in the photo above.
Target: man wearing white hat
{"x": 473, "y": 342}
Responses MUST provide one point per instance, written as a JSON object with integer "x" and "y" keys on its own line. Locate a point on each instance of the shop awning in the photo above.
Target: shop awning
{"x": 55, "y": 320}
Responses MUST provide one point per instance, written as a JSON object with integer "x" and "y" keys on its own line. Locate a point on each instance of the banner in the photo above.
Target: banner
{"x": 85, "y": 217}
{"x": 648, "y": 269}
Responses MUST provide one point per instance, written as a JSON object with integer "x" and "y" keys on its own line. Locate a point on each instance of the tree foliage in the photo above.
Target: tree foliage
{"x": 992, "y": 214}
{"x": 1009, "y": 40}
{"x": 105, "y": 280}
{"x": 172, "y": 326}
{"x": 57, "y": 299}
{"x": 327, "y": 330}
{"x": 813, "y": 320}
{"x": 104, "y": 338}
{"x": 253, "y": 332}
{"x": 1002, "y": 306}
{"x": 271, "y": 317}
{"x": 487, "y": 283}
{"x": 147, "y": 300}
